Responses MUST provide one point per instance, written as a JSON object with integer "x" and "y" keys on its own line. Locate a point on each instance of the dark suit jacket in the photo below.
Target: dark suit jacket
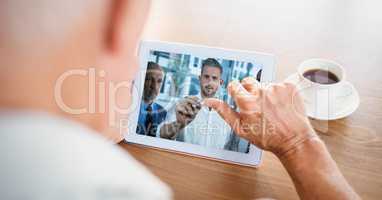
{"x": 159, "y": 115}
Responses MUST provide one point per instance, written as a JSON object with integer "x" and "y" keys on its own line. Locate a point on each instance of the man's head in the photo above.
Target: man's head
{"x": 210, "y": 77}
{"x": 51, "y": 38}
{"x": 153, "y": 82}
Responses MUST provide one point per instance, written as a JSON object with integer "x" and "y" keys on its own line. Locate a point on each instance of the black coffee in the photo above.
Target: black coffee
{"x": 321, "y": 76}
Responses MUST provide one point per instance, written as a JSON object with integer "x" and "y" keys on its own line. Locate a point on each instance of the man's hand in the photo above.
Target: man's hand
{"x": 187, "y": 109}
{"x": 272, "y": 118}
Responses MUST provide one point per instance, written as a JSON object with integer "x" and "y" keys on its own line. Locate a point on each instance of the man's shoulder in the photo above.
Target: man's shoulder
{"x": 159, "y": 107}
{"x": 44, "y": 136}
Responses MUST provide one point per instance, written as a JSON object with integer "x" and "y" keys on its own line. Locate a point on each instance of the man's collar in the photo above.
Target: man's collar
{"x": 145, "y": 105}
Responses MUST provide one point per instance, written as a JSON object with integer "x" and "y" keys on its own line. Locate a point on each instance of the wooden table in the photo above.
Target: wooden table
{"x": 347, "y": 31}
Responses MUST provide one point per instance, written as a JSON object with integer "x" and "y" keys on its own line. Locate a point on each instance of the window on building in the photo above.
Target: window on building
{"x": 196, "y": 62}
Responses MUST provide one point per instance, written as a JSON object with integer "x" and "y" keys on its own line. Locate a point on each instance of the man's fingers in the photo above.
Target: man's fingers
{"x": 186, "y": 110}
{"x": 181, "y": 108}
{"x": 235, "y": 89}
{"x": 224, "y": 110}
{"x": 189, "y": 109}
{"x": 251, "y": 85}
{"x": 246, "y": 101}
{"x": 193, "y": 102}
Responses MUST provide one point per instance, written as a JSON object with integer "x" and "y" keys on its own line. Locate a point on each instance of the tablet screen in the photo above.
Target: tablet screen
{"x": 174, "y": 88}
{"x": 174, "y": 81}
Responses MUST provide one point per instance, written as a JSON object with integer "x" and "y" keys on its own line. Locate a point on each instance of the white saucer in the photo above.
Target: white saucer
{"x": 342, "y": 108}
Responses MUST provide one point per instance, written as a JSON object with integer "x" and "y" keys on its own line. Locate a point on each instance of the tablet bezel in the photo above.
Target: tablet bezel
{"x": 253, "y": 157}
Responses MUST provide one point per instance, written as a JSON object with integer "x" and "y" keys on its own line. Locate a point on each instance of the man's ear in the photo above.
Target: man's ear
{"x": 126, "y": 20}
{"x": 221, "y": 81}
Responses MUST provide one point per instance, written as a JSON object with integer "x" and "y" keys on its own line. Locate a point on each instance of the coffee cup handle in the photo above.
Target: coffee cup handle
{"x": 347, "y": 89}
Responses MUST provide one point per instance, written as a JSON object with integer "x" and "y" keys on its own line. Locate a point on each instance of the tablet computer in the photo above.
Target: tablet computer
{"x": 168, "y": 92}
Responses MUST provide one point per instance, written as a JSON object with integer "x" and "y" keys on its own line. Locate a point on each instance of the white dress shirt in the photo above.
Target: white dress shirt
{"x": 45, "y": 157}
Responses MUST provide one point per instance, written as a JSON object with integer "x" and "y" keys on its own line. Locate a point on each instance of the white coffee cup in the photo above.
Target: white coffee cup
{"x": 324, "y": 99}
